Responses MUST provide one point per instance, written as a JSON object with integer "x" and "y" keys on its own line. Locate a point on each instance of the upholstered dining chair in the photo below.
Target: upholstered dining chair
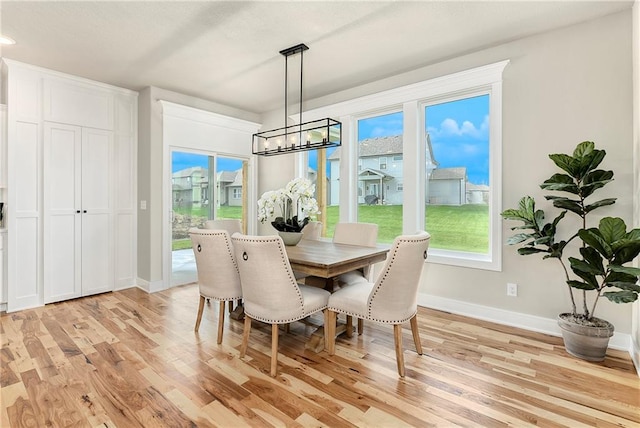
{"x": 218, "y": 276}
{"x": 313, "y": 230}
{"x": 366, "y": 235}
{"x": 392, "y": 299}
{"x": 231, "y": 225}
{"x": 270, "y": 291}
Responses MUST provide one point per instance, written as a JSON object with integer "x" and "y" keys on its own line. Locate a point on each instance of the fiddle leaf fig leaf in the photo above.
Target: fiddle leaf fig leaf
{"x": 593, "y": 238}
{"x": 629, "y": 270}
{"x": 525, "y": 251}
{"x": 612, "y": 229}
{"x": 624, "y": 296}
{"x": 581, "y": 285}
{"x": 583, "y": 266}
{"x": 568, "y": 204}
{"x": 601, "y": 203}
{"x": 560, "y": 182}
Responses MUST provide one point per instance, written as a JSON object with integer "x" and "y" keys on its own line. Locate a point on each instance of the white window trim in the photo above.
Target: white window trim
{"x": 411, "y": 98}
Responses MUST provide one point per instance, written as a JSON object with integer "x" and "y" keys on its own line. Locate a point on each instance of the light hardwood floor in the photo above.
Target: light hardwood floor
{"x": 131, "y": 359}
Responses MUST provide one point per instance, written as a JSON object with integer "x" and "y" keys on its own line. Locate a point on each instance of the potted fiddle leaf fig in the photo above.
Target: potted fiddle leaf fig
{"x": 601, "y": 269}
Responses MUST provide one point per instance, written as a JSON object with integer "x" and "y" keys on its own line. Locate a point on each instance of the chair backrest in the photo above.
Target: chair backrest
{"x": 393, "y": 298}
{"x": 218, "y": 275}
{"x": 313, "y": 230}
{"x": 231, "y": 225}
{"x": 270, "y": 292}
{"x": 365, "y": 234}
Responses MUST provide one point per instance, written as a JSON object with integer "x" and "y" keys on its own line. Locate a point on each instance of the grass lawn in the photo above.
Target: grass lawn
{"x": 462, "y": 228}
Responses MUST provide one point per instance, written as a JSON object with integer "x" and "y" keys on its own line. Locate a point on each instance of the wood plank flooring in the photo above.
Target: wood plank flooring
{"x": 131, "y": 359}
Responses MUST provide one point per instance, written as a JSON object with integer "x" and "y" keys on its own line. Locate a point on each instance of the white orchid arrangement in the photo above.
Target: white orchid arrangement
{"x": 295, "y": 202}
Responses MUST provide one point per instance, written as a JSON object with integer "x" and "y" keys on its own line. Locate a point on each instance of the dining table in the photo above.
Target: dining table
{"x": 323, "y": 261}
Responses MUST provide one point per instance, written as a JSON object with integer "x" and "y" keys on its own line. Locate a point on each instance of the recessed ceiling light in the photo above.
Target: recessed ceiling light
{"x": 4, "y": 40}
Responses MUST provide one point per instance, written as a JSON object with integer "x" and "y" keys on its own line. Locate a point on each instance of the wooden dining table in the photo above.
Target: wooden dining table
{"x": 323, "y": 261}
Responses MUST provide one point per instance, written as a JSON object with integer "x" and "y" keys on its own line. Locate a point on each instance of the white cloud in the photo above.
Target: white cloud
{"x": 449, "y": 127}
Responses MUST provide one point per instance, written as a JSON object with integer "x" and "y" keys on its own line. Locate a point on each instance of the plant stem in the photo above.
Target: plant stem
{"x": 566, "y": 274}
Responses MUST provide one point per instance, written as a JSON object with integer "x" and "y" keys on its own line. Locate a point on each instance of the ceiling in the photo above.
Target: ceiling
{"x": 227, "y": 51}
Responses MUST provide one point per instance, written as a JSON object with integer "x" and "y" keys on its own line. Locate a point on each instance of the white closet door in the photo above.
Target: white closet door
{"x": 62, "y": 212}
{"x": 97, "y": 211}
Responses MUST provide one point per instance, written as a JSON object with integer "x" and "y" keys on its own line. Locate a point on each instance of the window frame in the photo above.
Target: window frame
{"x": 412, "y": 100}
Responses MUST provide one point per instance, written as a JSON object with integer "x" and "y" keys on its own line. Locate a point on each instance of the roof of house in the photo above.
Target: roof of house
{"x": 480, "y": 187}
{"x": 188, "y": 172}
{"x": 379, "y": 146}
{"x": 457, "y": 173}
{"x": 383, "y": 146}
{"x": 227, "y": 176}
{"x": 370, "y": 172}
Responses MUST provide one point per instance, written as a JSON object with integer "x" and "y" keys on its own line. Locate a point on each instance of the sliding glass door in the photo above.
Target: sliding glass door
{"x": 204, "y": 186}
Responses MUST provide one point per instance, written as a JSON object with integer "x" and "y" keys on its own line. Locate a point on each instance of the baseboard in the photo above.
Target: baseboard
{"x": 3, "y": 307}
{"x": 150, "y": 287}
{"x": 634, "y": 350}
{"x": 619, "y": 341}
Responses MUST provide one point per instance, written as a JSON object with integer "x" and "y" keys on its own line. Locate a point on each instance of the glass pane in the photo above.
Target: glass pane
{"x": 329, "y": 184}
{"x": 229, "y": 189}
{"x": 380, "y": 174}
{"x": 457, "y": 171}
{"x": 195, "y": 201}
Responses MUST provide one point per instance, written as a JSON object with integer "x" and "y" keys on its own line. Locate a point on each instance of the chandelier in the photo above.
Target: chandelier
{"x": 313, "y": 135}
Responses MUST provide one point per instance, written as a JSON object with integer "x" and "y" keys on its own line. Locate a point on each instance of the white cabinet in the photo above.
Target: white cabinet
{"x": 78, "y": 213}
{"x": 70, "y": 188}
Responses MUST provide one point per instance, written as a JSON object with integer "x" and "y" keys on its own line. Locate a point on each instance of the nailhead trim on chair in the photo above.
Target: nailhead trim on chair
{"x": 284, "y": 257}
{"x": 216, "y": 232}
{"x": 375, "y": 291}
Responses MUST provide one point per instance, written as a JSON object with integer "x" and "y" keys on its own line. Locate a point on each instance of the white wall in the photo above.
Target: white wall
{"x": 150, "y": 152}
{"x": 635, "y": 323}
{"x": 561, "y": 88}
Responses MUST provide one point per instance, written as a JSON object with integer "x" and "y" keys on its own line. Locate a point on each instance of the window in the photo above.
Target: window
{"x": 442, "y": 176}
{"x": 378, "y": 137}
{"x": 457, "y": 174}
{"x": 237, "y": 193}
{"x": 323, "y": 169}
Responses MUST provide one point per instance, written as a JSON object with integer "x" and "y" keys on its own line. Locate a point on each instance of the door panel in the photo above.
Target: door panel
{"x": 62, "y": 221}
{"x": 97, "y": 228}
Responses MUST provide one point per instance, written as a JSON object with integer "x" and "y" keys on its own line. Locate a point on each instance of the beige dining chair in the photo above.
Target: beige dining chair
{"x": 231, "y": 225}
{"x": 313, "y": 230}
{"x": 270, "y": 291}
{"x": 392, "y": 299}
{"x": 218, "y": 276}
{"x": 366, "y": 235}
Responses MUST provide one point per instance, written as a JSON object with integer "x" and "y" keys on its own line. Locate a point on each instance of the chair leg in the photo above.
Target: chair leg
{"x": 199, "y": 317}
{"x": 330, "y": 331}
{"x": 230, "y": 306}
{"x": 245, "y": 336}
{"x": 220, "y": 321}
{"x": 349, "y": 331}
{"x": 360, "y": 326}
{"x": 397, "y": 335}
{"x": 274, "y": 349}
{"x": 416, "y": 334}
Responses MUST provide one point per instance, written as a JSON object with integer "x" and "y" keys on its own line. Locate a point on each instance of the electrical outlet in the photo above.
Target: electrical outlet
{"x": 512, "y": 289}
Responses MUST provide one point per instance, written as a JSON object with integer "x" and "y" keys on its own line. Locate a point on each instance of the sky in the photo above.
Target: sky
{"x": 184, "y": 160}
{"x": 459, "y": 132}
